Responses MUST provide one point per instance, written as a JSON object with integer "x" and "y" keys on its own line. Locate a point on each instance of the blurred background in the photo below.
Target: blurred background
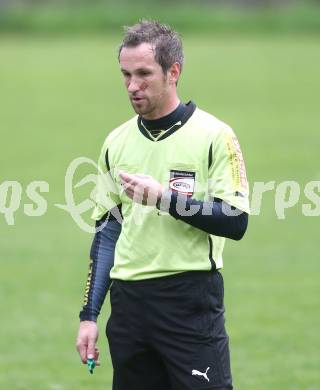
{"x": 255, "y": 65}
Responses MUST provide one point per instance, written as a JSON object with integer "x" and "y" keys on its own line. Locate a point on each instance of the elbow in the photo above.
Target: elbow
{"x": 241, "y": 227}
{"x": 238, "y": 235}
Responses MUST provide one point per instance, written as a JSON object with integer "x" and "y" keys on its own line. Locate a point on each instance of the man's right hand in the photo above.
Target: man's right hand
{"x": 86, "y": 341}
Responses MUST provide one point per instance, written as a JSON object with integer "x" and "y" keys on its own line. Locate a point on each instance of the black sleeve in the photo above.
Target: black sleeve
{"x": 216, "y": 217}
{"x": 101, "y": 261}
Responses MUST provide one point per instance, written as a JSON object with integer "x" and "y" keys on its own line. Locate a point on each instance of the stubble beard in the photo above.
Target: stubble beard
{"x": 148, "y": 105}
{"x": 143, "y": 109}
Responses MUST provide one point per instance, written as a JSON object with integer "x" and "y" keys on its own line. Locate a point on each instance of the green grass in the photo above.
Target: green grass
{"x": 59, "y": 98}
{"x": 108, "y": 16}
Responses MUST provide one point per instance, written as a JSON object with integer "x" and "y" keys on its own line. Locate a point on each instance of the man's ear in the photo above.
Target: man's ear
{"x": 174, "y": 73}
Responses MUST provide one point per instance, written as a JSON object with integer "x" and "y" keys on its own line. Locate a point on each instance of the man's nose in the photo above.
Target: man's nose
{"x": 133, "y": 85}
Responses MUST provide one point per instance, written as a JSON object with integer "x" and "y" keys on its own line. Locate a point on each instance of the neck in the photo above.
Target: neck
{"x": 169, "y": 106}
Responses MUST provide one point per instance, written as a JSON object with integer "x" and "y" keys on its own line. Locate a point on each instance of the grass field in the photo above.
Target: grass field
{"x": 58, "y": 99}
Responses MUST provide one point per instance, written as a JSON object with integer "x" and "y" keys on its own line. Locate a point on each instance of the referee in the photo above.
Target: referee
{"x": 173, "y": 187}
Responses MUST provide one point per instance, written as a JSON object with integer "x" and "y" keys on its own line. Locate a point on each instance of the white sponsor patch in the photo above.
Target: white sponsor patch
{"x": 182, "y": 181}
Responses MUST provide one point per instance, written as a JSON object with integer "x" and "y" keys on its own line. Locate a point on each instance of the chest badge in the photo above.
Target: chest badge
{"x": 182, "y": 182}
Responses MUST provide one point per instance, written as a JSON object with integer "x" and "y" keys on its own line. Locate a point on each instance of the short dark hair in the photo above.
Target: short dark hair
{"x": 167, "y": 43}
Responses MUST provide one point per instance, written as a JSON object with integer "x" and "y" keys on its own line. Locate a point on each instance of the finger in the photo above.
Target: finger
{"x": 132, "y": 188}
{"x": 124, "y": 175}
{"x": 82, "y": 350}
{"x": 128, "y": 178}
{"x": 137, "y": 192}
{"x": 91, "y": 349}
{"x": 130, "y": 193}
{"x": 83, "y": 354}
{"x": 130, "y": 182}
{"x": 126, "y": 184}
{"x": 128, "y": 189}
{"x": 134, "y": 191}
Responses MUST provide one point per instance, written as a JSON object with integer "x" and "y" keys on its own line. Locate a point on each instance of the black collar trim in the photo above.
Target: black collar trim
{"x": 181, "y": 114}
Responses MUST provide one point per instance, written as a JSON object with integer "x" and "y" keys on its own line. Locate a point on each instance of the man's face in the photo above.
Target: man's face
{"x": 147, "y": 86}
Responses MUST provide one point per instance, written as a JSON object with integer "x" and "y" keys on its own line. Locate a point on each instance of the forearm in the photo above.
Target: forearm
{"x": 101, "y": 262}
{"x": 210, "y": 217}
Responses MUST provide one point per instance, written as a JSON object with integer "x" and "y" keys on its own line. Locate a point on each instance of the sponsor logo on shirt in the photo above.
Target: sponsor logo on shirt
{"x": 239, "y": 177}
{"x": 182, "y": 182}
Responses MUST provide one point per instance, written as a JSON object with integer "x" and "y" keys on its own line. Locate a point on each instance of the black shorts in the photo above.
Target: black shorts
{"x": 168, "y": 333}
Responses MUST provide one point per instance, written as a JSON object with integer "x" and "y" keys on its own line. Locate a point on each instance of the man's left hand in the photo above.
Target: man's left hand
{"x": 140, "y": 188}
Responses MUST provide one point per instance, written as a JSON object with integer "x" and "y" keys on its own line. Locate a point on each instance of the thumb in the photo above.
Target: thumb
{"x": 91, "y": 349}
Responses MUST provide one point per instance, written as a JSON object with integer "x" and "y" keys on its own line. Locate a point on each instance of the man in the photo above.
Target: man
{"x": 175, "y": 176}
